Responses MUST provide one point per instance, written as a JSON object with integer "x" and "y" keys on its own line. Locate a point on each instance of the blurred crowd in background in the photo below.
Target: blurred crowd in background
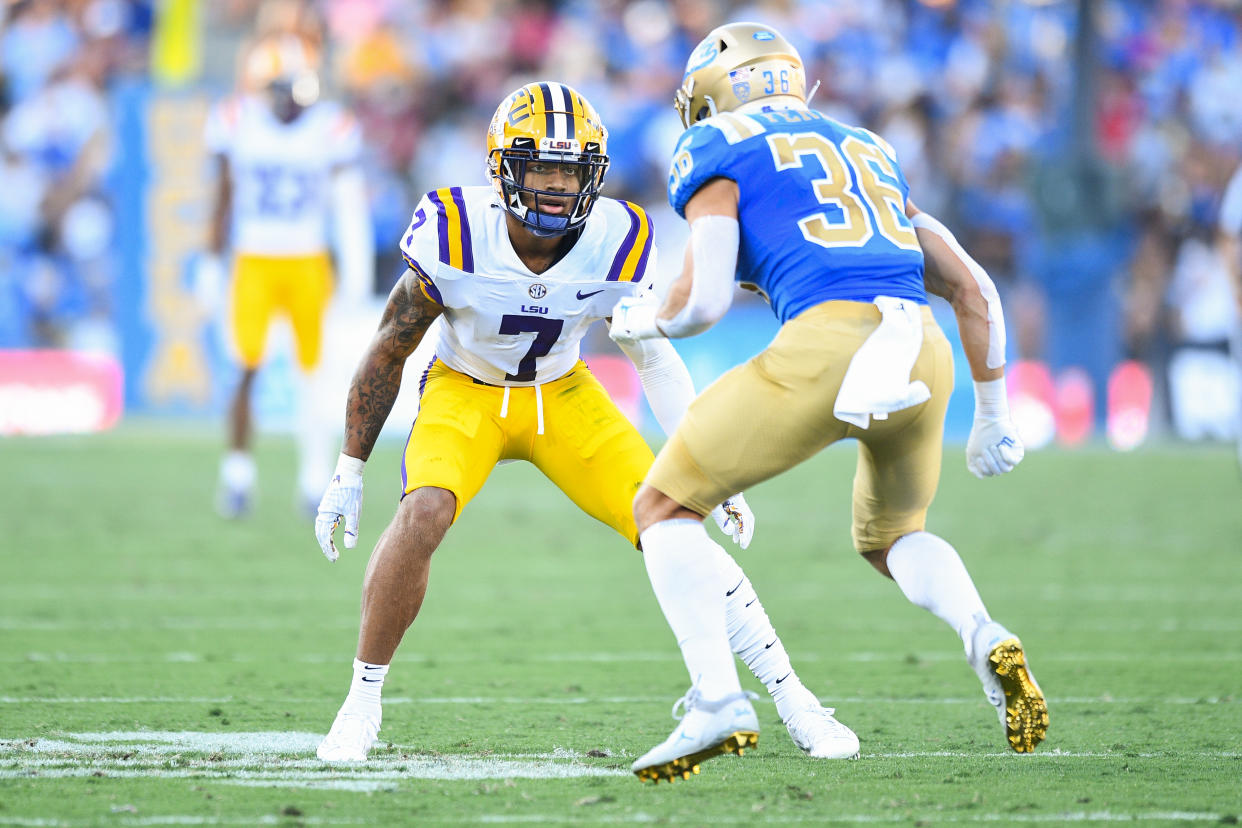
{"x": 1090, "y": 196}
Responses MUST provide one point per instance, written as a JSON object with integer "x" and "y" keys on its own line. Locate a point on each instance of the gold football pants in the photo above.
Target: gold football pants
{"x": 588, "y": 448}
{"x": 774, "y": 411}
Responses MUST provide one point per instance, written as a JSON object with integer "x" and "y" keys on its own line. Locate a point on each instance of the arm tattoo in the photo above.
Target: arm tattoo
{"x": 374, "y": 389}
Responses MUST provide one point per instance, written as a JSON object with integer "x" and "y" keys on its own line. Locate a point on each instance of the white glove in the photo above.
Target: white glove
{"x": 736, "y": 520}
{"x": 994, "y": 446}
{"x": 634, "y": 318}
{"x": 341, "y": 501}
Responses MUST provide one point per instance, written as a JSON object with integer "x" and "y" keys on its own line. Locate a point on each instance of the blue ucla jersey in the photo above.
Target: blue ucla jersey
{"x": 822, "y": 206}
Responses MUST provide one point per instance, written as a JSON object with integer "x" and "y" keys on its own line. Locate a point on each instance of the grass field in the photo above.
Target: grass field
{"x": 161, "y": 667}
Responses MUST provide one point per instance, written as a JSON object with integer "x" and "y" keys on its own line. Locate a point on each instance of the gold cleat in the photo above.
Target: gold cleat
{"x": 1026, "y": 712}
{"x": 684, "y": 766}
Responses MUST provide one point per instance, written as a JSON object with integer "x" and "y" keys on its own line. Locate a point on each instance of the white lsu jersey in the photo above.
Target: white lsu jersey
{"x": 503, "y": 324}
{"x": 282, "y": 173}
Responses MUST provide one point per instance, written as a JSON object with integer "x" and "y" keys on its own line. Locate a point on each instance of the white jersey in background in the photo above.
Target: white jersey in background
{"x": 1230, "y": 220}
{"x": 282, "y": 173}
{"x": 503, "y": 324}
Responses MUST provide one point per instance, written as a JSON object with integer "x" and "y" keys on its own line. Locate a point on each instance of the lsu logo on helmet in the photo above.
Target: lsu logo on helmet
{"x": 546, "y": 122}
{"x": 736, "y": 64}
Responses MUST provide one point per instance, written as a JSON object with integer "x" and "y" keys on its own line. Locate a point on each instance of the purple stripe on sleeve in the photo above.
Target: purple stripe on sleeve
{"x": 441, "y": 226}
{"x": 423, "y": 279}
{"x": 432, "y": 291}
{"x": 641, "y": 270}
{"x": 618, "y": 261}
{"x": 467, "y": 252}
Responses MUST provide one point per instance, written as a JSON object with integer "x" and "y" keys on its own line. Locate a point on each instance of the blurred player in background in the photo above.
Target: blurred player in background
{"x": 814, "y": 214}
{"x": 287, "y": 174}
{"x": 1229, "y": 247}
{"x": 518, "y": 272}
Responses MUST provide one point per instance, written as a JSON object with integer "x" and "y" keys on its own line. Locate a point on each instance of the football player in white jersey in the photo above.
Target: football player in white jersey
{"x": 286, "y": 174}
{"x": 517, "y": 272}
{"x": 1229, "y": 248}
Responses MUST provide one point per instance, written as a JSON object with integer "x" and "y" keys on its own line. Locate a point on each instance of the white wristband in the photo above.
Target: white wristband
{"x": 349, "y": 465}
{"x": 991, "y": 400}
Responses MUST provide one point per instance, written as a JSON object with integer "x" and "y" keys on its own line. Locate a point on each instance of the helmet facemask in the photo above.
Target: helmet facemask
{"x": 283, "y": 73}
{"x": 529, "y": 204}
{"x": 288, "y": 97}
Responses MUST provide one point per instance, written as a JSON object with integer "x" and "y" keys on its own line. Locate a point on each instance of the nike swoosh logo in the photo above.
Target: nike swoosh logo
{"x": 752, "y": 600}
{"x": 373, "y": 666}
{"x": 782, "y": 678}
{"x": 735, "y": 589}
{"x": 364, "y": 678}
{"x": 768, "y": 646}
{"x": 582, "y": 295}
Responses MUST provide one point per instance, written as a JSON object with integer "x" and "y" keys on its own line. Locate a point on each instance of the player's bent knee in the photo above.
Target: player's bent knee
{"x": 427, "y": 509}
{"x": 879, "y": 559}
{"x": 652, "y": 506}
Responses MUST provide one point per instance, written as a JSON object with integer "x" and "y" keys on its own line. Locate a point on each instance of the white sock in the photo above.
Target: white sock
{"x": 367, "y": 684}
{"x": 237, "y": 471}
{"x": 682, "y": 565}
{"x": 755, "y": 641}
{"x": 932, "y": 575}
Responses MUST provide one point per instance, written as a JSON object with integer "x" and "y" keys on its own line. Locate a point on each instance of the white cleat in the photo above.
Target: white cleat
{"x": 707, "y": 729}
{"x": 820, "y": 735}
{"x": 351, "y": 737}
{"x": 998, "y": 659}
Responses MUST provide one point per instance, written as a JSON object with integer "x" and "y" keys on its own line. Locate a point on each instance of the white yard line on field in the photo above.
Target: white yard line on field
{"x": 586, "y": 700}
{"x": 267, "y": 758}
{"x": 443, "y": 769}
{"x": 214, "y": 753}
{"x": 118, "y": 700}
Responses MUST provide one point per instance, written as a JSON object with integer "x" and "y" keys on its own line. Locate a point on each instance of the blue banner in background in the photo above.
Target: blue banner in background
{"x": 171, "y": 347}
{"x": 128, "y": 184}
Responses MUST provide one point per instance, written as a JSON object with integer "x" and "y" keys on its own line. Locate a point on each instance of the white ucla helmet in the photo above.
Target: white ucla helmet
{"x": 736, "y": 64}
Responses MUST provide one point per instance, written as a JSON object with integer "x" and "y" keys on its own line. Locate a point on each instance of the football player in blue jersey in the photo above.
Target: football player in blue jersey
{"x": 815, "y": 215}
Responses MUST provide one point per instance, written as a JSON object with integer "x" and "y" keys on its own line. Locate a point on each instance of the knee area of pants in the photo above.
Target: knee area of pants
{"x": 641, "y": 507}
{"x": 429, "y": 505}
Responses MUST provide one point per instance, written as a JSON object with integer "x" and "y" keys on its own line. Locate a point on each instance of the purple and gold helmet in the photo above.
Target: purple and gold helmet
{"x": 548, "y": 122}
